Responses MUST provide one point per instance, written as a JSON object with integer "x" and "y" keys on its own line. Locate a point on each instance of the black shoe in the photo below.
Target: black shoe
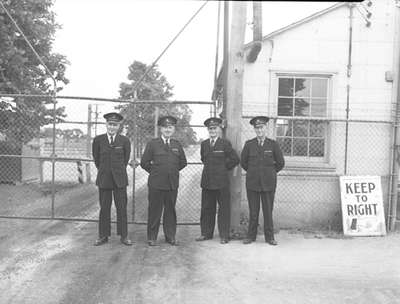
{"x": 203, "y": 238}
{"x": 224, "y": 241}
{"x": 152, "y": 243}
{"x": 126, "y": 241}
{"x": 173, "y": 242}
{"x": 101, "y": 241}
{"x": 272, "y": 242}
{"x": 247, "y": 241}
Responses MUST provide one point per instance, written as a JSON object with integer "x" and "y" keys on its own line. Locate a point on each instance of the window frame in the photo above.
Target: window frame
{"x": 301, "y": 161}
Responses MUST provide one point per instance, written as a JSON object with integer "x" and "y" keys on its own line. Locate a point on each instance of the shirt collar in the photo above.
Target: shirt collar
{"x": 215, "y": 139}
{"x": 165, "y": 139}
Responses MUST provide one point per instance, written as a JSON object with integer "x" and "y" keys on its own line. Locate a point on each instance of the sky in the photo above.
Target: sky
{"x": 101, "y": 38}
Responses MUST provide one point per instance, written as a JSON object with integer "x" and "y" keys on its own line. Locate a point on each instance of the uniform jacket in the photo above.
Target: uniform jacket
{"x": 111, "y": 161}
{"x": 261, "y": 164}
{"x": 163, "y": 163}
{"x": 217, "y": 160}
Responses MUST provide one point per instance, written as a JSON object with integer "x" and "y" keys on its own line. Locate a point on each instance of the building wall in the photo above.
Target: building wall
{"x": 308, "y": 194}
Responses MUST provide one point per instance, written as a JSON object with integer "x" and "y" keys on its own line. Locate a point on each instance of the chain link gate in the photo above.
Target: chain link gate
{"x": 34, "y": 183}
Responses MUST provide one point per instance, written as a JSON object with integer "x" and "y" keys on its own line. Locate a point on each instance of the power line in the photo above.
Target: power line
{"x": 165, "y": 49}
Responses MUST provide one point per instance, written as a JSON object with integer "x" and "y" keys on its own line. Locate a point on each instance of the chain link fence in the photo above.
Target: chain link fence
{"x": 317, "y": 153}
{"x": 47, "y": 171}
{"x": 46, "y": 168}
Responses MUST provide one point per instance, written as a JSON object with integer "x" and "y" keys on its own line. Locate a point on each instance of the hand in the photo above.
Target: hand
{"x": 135, "y": 163}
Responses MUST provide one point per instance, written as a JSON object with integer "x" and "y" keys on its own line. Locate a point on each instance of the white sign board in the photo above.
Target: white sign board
{"x": 362, "y": 206}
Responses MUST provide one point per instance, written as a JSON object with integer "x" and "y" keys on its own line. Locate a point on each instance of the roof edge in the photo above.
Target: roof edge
{"x": 300, "y": 22}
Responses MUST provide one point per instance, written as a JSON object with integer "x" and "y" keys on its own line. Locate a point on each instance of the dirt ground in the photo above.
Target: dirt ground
{"x": 55, "y": 262}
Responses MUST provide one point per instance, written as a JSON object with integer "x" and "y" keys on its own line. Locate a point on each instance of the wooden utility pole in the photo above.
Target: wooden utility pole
{"x": 233, "y": 95}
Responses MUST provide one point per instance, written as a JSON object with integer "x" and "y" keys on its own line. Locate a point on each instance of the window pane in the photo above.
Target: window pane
{"x": 305, "y": 97}
{"x": 300, "y": 128}
{"x": 319, "y": 88}
{"x": 299, "y": 147}
{"x": 284, "y": 127}
{"x": 302, "y": 87}
{"x": 318, "y": 107}
{"x": 285, "y": 106}
{"x": 286, "y": 145}
{"x": 317, "y": 128}
{"x": 317, "y": 147}
{"x": 286, "y": 86}
{"x": 302, "y": 107}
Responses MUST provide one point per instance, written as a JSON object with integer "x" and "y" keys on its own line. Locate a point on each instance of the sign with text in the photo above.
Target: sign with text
{"x": 362, "y": 206}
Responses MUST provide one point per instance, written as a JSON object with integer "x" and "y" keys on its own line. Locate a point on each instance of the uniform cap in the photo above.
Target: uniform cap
{"x": 213, "y": 121}
{"x": 167, "y": 121}
{"x": 259, "y": 120}
{"x": 113, "y": 116}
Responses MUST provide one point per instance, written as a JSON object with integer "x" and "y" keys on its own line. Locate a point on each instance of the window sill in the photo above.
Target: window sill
{"x": 308, "y": 168}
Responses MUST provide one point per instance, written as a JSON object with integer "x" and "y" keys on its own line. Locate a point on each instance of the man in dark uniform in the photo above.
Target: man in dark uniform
{"x": 262, "y": 158}
{"x": 163, "y": 158}
{"x": 111, "y": 153}
{"x": 218, "y": 158}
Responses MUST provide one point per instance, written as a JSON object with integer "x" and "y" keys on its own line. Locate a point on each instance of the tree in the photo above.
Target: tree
{"x": 154, "y": 87}
{"x": 21, "y": 71}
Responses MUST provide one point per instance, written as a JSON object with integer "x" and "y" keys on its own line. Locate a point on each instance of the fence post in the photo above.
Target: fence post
{"x": 89, "y": 143}
{"x": 133, "y": 153}
{"x": 156, "y": 115}
{"x": 53, "y": 155}
{"x": 395, "y": 161}
{"x": 41, "y": 171}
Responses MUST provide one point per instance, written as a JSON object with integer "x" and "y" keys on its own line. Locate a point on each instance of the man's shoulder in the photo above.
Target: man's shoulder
{"x": 270, "y": 140}
{"x": 224, "y": 141}
{"x": 177, "y": 142}
{"x": 124, "y": 138}
{"x": 251, "y": 141}
{"x": 100, "y": 137}
{"x": 155, "y": 142}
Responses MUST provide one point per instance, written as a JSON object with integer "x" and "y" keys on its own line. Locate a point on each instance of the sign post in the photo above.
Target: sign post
{"x": 362, "y": 206}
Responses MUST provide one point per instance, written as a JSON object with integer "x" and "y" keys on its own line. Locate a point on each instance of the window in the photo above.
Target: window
{"x": 305, "y": 98}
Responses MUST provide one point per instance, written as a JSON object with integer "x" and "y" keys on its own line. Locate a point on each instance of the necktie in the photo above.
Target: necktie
{"x": 212, "y": 142}
{"x": 111, "y": 140}
{"x": 260, "y": 143}
{"x": 167, "y": 143}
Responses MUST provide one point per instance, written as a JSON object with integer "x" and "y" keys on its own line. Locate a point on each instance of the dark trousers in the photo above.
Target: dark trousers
{"x": 120, "y": 200}
{"x": 159, "y": 200}
{"x": 267, "y": 203}
{"x": 209, "y": 199}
